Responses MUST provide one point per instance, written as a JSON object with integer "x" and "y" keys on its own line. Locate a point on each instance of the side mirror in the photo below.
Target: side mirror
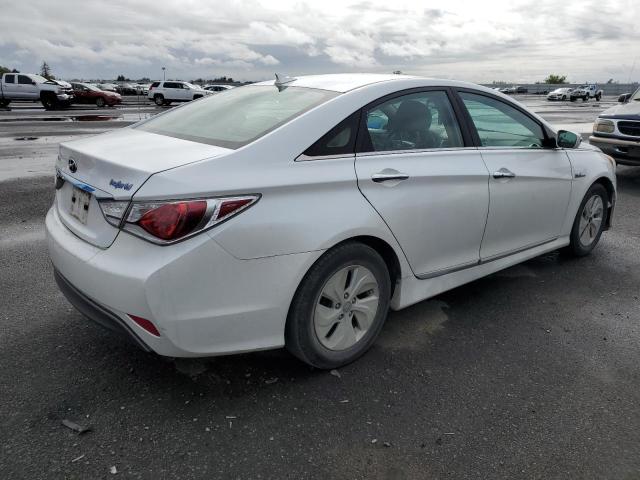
{"x": 624, "y": 98}
{"x": 566, "y": 139}
{"x": 33, "y": 83}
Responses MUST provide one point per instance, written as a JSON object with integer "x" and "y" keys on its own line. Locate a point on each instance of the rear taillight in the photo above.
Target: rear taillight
{"x": 165, "y": 222}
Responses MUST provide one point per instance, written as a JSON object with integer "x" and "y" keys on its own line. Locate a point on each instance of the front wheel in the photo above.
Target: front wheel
{"x": 340, "y": 307}
{"x": 598, "y": 97}
{"x": 564, "y": 97}
{"x": 589, "y": 222}
{"x": 158, "y": 100}
{"x": 49, "y": 102}
{"x": 100, "y": 102}
{"x": 585, "y": 98}
{"x": 4, "y": 103}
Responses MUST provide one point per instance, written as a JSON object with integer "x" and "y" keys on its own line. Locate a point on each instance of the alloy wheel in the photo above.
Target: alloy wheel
{"x": 346, "y": 307}
{"x": 591, "y": 220}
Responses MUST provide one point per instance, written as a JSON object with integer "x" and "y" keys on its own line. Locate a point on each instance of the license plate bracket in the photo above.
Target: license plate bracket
{"x": 80, "y": 201}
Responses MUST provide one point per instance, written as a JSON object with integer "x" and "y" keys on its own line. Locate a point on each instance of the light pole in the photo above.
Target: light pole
{"x": 163, "y": 73}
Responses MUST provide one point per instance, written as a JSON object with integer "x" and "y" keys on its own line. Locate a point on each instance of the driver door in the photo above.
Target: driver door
{"x": 529, "y": 186}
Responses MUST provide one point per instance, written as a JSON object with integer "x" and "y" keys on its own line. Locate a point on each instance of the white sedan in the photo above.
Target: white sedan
{"x": 560, "y": 94}
{"x": 297, "y": 212}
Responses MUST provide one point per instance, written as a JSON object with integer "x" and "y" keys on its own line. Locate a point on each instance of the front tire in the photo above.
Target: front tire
{"x": 49, "y": 102}
{"x": 100, "y": 103}
{"x": 589, "y": 222}
{"x": 598, "y": 97}
{"x": 158, "y": 100}
{"x": 564, "y": 97}
{"x": 340, "y": 307}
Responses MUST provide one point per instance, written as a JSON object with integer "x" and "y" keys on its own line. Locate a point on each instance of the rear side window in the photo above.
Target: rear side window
{"x": 501, "y": 125}
{"x": 155, "y": 84}
{"x": 239, "y": 117}
{"x": 416, "y": 121}
{"x": 9, "y": 79}
{"x": 340, "y": 140}
{"x": 24, "y": 80}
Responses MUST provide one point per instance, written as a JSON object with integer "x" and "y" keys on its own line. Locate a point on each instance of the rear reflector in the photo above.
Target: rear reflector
{"x": 146, "y": 324}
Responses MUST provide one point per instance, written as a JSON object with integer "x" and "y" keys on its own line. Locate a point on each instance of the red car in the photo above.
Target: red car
{"x": 86, "y": 93}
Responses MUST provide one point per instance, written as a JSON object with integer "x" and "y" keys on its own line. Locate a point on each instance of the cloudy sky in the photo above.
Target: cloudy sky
{"x": 481, "y": 41}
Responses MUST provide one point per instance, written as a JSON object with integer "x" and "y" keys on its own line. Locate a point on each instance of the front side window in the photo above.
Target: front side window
{"x": 415, "y": 121}
{"x": 239, "y": 116}
{"x": 24, "y": 80}
{"x": 9, "y": 79}
{"x": 501, "y": 125}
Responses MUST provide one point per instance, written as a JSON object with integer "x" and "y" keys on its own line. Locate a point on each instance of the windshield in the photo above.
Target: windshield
{"x": 38, "y": 79}
{"x": 238, "y": 116}
{"x": 91, "y": 87}
{"x": 636, "y": 96}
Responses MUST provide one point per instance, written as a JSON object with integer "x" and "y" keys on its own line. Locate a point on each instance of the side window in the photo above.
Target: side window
{"x": 24, "y": 80}
{"x": 340, "y": 140}
{"x": 9, "y": 79}
{"x": 155, "y": 84}
{"x": 415, "y": 121}
{"x": 501, "y": 125}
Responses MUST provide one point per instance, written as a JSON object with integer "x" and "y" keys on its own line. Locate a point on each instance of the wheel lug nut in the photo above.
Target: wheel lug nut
{"x": 341, "y": 316}
{"x": 346, "y": 295}
{"x": 338, "y": 306}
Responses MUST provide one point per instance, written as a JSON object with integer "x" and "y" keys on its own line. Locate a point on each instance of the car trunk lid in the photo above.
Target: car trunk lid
{"x": 114, "y": 166}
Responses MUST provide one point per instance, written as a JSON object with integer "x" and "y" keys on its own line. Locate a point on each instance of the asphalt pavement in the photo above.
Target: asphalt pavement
{"x": 530, "y": 373}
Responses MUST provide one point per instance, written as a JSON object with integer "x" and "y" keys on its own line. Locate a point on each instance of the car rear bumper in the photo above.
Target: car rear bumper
{"x": 97, "y": 313}
{"x": 202, "y": 300}
{"x": 626, "y": 152}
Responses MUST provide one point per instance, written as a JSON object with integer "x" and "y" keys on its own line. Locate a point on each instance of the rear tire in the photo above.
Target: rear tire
{"x": 339, "y": 307}
{"x": 4, "y": 103}
{"x": 589, "y": 222}
{"x": 100, "y": 103}
{"x": 158, "y": 100}
{"x": 598, "y": 97}
{"x": 564, "y": 97}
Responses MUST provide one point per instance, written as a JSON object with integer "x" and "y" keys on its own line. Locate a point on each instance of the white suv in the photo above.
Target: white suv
{"x": 163, "y": 93}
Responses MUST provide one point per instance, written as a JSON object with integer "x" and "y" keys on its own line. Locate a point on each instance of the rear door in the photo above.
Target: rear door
{"x": 10, "y": 86}
{"x": 529, "y": 185}
{"x": 415, "y": 166}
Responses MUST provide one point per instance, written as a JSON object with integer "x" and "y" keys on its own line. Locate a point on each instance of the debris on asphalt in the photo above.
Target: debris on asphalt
{"x": 335, "y": 373}
{"x": 113, "y": 470}
{"x": 75, "y": 427}
{"x": 438, "y": 441}
{"x": 230, "y": 417}
{"x": 387, "y": 444}
{"x": 269, "y": 381}
{"x": 77, "y": 458}
{"x": 375, "y": 440}
{"x": 344, "y": 401}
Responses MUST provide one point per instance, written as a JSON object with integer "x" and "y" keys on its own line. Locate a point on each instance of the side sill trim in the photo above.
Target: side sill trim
{"x": 457, "y": 268}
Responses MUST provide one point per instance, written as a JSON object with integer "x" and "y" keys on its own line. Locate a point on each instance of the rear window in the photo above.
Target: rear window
{"x": 238, "y": 116}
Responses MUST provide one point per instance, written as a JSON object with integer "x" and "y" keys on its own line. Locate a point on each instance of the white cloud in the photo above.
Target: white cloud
{"x": 481, "y": 41}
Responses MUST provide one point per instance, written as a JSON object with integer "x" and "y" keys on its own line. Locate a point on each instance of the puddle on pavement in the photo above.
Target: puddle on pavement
{"x": 131, "y": 117}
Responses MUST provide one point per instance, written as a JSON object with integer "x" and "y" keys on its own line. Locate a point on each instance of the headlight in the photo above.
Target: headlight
{"x": 603, "y": 126}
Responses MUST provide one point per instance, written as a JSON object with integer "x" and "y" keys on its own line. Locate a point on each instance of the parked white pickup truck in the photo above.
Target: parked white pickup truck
{"x": 31, "y": 87}
{"x": 585, "y": 92}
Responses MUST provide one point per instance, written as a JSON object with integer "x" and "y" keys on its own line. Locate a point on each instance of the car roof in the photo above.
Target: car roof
{"x": 344, "y": 82}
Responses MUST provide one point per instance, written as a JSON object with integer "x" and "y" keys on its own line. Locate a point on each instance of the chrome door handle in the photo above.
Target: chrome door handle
{"x": 386, "y": 177}
{"x": 504, "y": 173}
